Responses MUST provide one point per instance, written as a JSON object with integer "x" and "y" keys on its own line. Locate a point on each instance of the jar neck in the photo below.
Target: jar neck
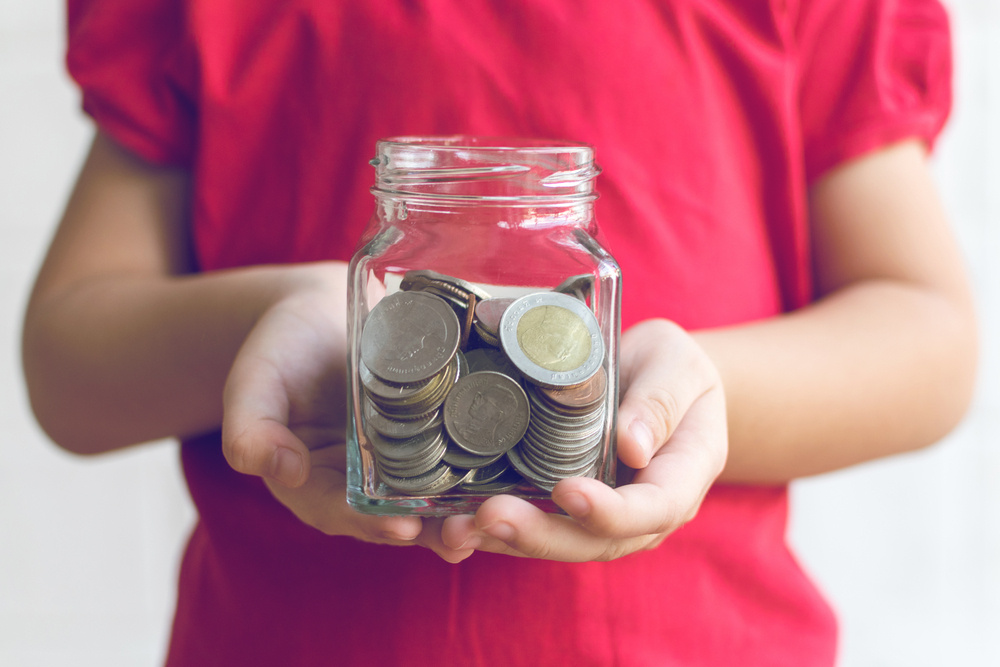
{"x": 407, "y": 208}
{"x": 461, "y": 172}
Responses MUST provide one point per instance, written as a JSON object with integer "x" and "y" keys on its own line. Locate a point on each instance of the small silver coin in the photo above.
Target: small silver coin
{"x": 489, "y": 473}
{"x": 416, "y": 278}
{"x": 409, "y": 337}
{"x": 408, "y": 449}
{"x": 393, "y": 428}
{"x": 543, "y": 483}
{"x": 553, "y": 339}
{"x": 486, "y": 413}
{"x": 458, "y": 457}
{"x": 440, "y": 475}
{"x": 581, "y": 397}
{"x": 386, "y": 390}
{"x": 506, "y": 482}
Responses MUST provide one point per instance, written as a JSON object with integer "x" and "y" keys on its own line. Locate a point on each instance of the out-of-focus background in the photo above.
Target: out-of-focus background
{"x": 908, "y": 549}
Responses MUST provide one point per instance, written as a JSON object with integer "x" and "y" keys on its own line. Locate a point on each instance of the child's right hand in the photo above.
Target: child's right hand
{"x": 285, "y": 414}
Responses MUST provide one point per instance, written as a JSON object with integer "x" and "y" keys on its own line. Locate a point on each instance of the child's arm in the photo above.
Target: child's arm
{"x": 119, "y": 349}
{"x": 883, "y": 363}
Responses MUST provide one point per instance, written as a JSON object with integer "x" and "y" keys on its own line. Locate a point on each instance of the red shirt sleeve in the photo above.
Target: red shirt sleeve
{"x": 136, "y": 70}
{"x": 873, "y": 72}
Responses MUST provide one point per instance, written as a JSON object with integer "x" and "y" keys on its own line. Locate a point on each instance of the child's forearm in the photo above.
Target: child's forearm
{"x": 885, "y": 361}
{"x": 120, "y": 359}
{"x": 876, "y": 369}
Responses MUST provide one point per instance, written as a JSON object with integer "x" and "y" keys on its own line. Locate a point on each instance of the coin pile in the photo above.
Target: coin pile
{"x": 464, "y": 390}
{"x": 555, "y": 341}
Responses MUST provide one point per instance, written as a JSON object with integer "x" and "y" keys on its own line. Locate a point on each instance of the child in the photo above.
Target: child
{"x": 765, "y": 192}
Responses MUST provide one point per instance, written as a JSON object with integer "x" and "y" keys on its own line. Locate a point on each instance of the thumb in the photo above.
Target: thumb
{"x": 255, "y": 436}
{"x": 664, "y": 372}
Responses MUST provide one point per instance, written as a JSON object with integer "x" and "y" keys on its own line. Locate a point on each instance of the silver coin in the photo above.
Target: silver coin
{"x": 458, "y": 457}
{"x": 544, "y": 483}
{"x": 581, "y": 286}
{"x": 392, "y": 428}
{"x": 581, "y": 397}
{"x": 440, "y": 475}
{"x": 486, "y": 413}
{"x": 408, "y": 449}
{"x": 426, "y": 276}
{"x": 506, "y": 482}
{"x": 553, "y": 339}
{"x": 386, "y": 390}
{"x": 409, "y": 337}
{"x": 489, "y": 473}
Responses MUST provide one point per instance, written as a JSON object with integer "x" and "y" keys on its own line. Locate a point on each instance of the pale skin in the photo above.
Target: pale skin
{"x": 123, "y": 345}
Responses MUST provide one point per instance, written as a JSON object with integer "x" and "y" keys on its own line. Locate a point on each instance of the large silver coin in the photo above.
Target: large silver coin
{"x": 553, "y": 339}
{"x": 486, "y": 413}
{"x": 409, "y": 337}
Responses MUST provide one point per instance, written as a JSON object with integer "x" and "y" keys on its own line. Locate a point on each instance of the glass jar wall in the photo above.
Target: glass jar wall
{"x": 484, "y": 318}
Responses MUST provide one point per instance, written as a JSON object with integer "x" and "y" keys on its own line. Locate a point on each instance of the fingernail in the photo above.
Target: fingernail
{"x": 472, "y": 543}
{"x": 501, "y": 530}
{"x": 286, "y": 466}
{"x": 397, "y": 536}
{"x": 642, "y": 435}
{"x": 575, "y": 503}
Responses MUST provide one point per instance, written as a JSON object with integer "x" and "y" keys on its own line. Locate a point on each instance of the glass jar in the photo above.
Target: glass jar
{"x": 484, "y": 324}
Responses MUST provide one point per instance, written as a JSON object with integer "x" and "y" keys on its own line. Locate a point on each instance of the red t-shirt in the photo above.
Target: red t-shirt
{"x": 710, "y": 119}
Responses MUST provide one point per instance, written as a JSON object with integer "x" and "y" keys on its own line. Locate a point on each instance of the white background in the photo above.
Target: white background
{"x": 908, "y": 549}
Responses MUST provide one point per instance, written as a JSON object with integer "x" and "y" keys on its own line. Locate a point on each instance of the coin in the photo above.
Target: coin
{"x": 488, "y": 314}
{"x": 437, "y": 480}
{"x": 398, "y": 428}
{"x": 581, "y": 286}
{"x": 553, "y": 339}
{"x": 489, "y": 473}
{"x": 507, "y": 481}
{"x": 582, "y": 396}
{"x": 433, "y": 277}
{"x": 405, "y": 449}
{"x": 486, "y": 413}
{"x": 458, "y": 457}
{"x": 409, "y": 337}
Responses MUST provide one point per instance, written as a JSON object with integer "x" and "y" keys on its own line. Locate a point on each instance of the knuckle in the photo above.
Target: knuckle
{"x": 665, "y": 410}
{"x": 239, "y": 453}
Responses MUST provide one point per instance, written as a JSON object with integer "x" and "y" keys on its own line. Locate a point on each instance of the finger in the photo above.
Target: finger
{"x": 665, "y": 494}
{"x": 509, "y": 525}
{"x": 321, "y": 502}
{"x": 663, "y": 373}
{"x": 431, "y": 537}
{"x": 255, "y": 439}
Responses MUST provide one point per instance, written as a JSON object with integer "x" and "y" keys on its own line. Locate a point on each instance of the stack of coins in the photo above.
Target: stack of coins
{"x": 464, "y": 390}
{"x": 409, "y": 362}
{"x": 554, "y": 340}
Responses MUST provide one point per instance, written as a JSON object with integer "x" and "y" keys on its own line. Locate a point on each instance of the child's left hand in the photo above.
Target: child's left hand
{"x": 672, "y": 440}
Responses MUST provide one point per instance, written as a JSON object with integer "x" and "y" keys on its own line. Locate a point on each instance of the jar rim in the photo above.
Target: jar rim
{"x": 487, "y": 143}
